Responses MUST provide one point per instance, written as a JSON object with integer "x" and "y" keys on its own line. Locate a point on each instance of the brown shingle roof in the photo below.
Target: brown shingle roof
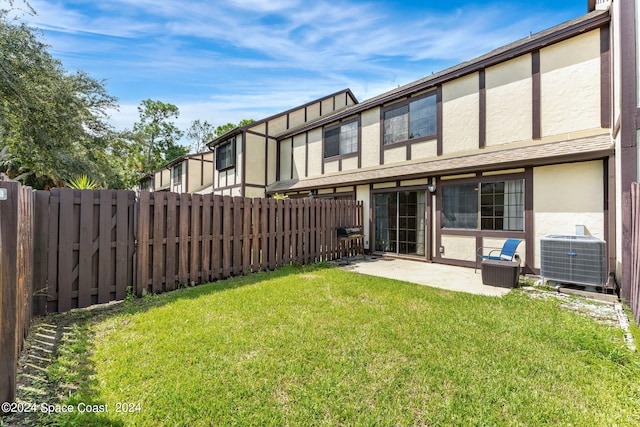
{"x": 588, "y": 148}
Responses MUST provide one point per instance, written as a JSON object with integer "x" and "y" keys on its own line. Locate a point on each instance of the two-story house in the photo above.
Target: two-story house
{"x": 248, "y": 158}
{"x": 515, "y": 143}
{"x": 192, "y": 173}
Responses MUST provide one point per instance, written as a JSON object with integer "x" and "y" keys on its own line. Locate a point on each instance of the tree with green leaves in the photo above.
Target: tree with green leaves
{"x": 200, "y": 132}
{"x": 159, "y": 133}
{"x": 53, "y": 124}
{"x": 222, "y": 129}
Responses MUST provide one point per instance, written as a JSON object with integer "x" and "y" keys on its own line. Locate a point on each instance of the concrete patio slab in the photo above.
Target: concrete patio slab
{"x": 460, "y": 279}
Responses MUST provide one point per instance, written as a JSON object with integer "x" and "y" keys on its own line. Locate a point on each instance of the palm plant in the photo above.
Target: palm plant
{"x": 82, "y": 182}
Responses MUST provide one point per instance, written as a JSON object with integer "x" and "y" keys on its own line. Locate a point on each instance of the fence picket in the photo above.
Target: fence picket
{"x": 227, "y": 228}
{"x": 183, "y": 251}
{"x": 106, "y": 225}
{"x": 170, "y": 247}
{"x": 264, "y": 235}
{"x": 206, "y": 238}
{"x": 216, "y": 236}
{"x": 122, "y": 258}
{"x": 144, "y": 208}
{"x": 236, "y": 205}
{"x": 255, "y": 235}
{"x": 246, "y": 235}
{"x": 195, "y": 273}
{"x": 158, "y": 263}
{"x": 40, "y": 243}
{"x": 85, "y": 253}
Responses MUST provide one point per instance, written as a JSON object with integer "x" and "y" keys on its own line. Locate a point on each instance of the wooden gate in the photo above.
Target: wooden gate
{"x": 87, "y": 246}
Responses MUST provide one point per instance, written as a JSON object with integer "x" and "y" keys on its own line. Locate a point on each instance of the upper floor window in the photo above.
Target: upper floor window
{"x": 414, "y": 118}
{"x": 225, "y": 155}
{"x": 177, "y": 174}
{"x": 146, "y": 184}
{"x": 340, "y": 140}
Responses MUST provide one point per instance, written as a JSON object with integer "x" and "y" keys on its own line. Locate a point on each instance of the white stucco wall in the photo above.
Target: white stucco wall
{"x": 459, "y": 247}
{"x": 363, "y": 194}
{"x": 315, "y": 152}
{"x": 349, "y": 163}
{"x": 424, "y": 149}
{"x": 299, "y": 156}
{"x": 285, "y": 159}
{"x": 460, "y": 114}
{"x": 370, "y": 127}
{"x": 255, "y": 159}
{"x": 395, "y": 155}
{"x": 509, "y": 101}
{"x": 565, "y": 196}
{"x": 570, "y": 85}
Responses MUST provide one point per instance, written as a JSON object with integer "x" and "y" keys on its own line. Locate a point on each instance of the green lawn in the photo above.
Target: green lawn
{"x": 317, "y": 346}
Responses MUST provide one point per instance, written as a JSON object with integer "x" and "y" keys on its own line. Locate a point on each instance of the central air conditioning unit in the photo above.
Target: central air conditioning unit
{"x": 579, "y": 260}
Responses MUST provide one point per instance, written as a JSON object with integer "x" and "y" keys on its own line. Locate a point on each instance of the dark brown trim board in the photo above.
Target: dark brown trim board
{"x": 266, "y": 160}
{"x": 243, "y": 178}
{"x": 439, "y": 120}
{"x": 536, "y": 131}
{"x": 482, "y": 137}
{"x": 605, "y": 77}
{"x": 529, "y": 221}
{"x": 628, "y": 134}
{"x": 306, "y": 154}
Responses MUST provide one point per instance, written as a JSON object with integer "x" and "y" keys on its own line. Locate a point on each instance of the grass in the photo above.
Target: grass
{"x": 311, "y": 346}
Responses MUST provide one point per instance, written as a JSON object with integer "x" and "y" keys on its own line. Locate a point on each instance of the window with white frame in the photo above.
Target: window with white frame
{"x": 411, "y": 119}
{"x": 495, "y": 205}
{"x": 225, "y": 155}
{"x": 341, "y": 140}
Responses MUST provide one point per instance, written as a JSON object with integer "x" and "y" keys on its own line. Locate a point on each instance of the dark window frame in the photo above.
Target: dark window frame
{"x": 338, "y": 126}
{"x": 177, "y": 177}
{"x": 479, "y": 182}
{"x": 230, "y": 160}
{"x": 406, "y": 103}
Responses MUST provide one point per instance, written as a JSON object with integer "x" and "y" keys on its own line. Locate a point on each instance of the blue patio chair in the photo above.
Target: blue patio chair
{"x": 507, "y": 253}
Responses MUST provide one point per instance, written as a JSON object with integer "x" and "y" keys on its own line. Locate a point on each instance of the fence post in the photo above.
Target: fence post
{"x": 8, "y": 294}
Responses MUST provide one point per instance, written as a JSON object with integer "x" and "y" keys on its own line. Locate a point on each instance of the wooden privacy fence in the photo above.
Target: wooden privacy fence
{"x": 185, "y": 239}
{"x": 69, "y": 248}
{"x": 634, "y": 291}
{"x": 86, "y": 246}
{"x": 16, "y": 279}
{"x": 93, "y": 245}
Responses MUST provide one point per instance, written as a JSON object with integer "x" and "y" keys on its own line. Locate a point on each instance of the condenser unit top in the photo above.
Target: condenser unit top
{"x": 571, "y": 238}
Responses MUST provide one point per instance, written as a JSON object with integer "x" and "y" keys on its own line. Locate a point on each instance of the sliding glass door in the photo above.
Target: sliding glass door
{"x": 399, "y": 222}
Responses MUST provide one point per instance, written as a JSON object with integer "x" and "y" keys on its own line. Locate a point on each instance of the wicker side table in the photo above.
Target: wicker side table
{"x": 500, "y": 273}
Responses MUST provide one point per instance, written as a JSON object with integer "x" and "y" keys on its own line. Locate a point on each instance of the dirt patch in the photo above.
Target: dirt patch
{"x": 310, "y": 276}
{"x": 35, "y": 385}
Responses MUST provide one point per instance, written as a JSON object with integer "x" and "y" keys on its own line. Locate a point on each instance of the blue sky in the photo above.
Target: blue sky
{"x": 223, "y": 61}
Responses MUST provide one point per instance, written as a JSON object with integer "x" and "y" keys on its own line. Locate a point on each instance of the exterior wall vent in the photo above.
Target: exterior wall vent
{"x": 579, "y": 260}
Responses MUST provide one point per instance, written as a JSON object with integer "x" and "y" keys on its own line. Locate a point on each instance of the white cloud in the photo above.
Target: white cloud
{"x": 252, "y": 58}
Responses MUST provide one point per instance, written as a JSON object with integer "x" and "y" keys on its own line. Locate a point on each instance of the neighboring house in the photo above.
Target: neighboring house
{"x": 192, "y": 173}
{"x": 537, "y": 137}
{"x": 247, "y": 157}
